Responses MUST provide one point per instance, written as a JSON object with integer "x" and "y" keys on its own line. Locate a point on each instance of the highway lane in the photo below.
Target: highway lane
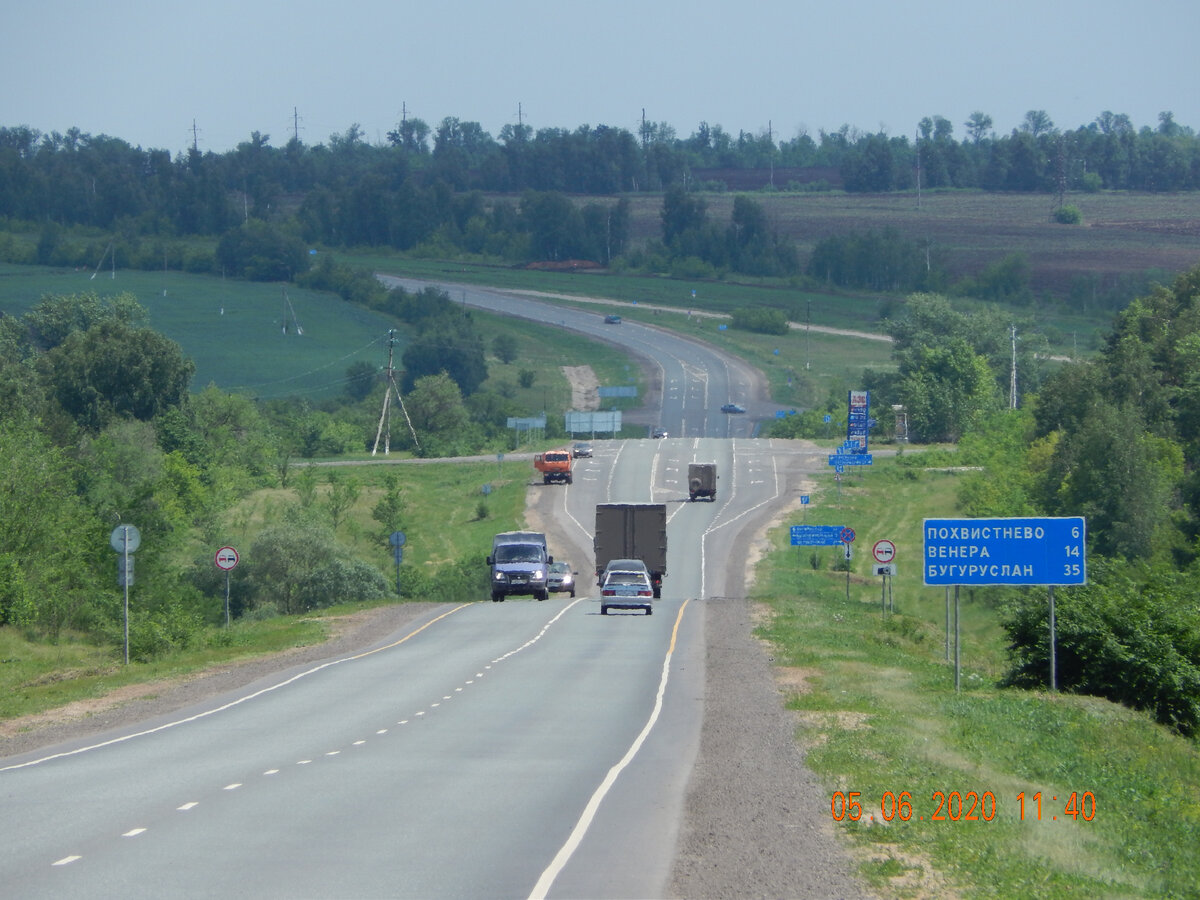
{"x": 690, "y": 380}
{"x": 455, "y": 763}
{"x": 503, "y": 750}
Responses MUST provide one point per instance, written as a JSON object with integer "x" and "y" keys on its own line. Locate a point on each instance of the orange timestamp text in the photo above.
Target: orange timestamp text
{"x": 963, "y": 806}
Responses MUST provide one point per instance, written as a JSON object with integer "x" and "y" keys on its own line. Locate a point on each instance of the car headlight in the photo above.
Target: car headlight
{"x": 538, "y": 575}
{"x": 500, "y": 576}
{"x": 567, "y": 579}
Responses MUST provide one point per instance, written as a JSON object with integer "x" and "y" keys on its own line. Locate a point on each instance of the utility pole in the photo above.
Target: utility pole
{"x": 385, "y": 417}
{"x": 917, "y": 138}
{"x": 1012, "y": 383}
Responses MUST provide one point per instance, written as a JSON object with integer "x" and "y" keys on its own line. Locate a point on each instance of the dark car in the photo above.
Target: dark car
{"x": 733, "y": 408}
{"x": 659, "y": 433}
{"x": 612, "y": 320}
{"x": 581, "y": 449}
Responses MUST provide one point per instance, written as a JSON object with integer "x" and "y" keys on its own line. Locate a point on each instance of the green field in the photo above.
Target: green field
{"x": 232, "y": 330}
{"x": 878, "y": 715}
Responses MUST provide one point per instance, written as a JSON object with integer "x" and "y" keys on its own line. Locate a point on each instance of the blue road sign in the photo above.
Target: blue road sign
{"x": 1025, "y": 551}
{"x": 850, "y": 459}
{"x": 817, "y": 535}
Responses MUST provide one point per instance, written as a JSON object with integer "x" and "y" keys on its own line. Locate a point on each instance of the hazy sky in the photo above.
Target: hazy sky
{"x": 146, "y": 71}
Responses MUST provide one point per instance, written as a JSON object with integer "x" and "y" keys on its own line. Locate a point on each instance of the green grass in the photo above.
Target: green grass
{"x": 36, "y": 676}
{"x": 879, "y": 713}
{"x": 232, "y": 330}
{"x": 443, "y": 524}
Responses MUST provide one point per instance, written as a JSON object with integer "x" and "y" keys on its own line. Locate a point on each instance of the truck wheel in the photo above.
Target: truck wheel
{"x": 542, "y": 595}
{"x": 497, "y": 597}
{"x": 657, "y": 593}
{"x": 569, "y": 479}
{"x": 572, "y": 593}
{"x": 649, "y": 610}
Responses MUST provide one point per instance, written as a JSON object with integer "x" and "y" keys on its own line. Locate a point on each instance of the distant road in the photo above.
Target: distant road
{"x": 798, "y": 326}
{"x": 687, "y": 380}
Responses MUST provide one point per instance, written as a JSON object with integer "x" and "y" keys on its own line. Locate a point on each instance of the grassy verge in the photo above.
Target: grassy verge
{"x": 879, "y": 716}
{"x": 448, "y": 518}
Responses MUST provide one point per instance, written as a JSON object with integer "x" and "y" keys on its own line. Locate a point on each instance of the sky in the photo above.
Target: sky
{"x": 165, "y": 74}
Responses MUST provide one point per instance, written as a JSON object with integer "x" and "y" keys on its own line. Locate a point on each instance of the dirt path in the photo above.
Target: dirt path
{"x": 585, "y": 387}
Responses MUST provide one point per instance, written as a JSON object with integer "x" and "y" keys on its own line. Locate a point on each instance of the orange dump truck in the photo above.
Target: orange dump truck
{"x": 555, "y": 465}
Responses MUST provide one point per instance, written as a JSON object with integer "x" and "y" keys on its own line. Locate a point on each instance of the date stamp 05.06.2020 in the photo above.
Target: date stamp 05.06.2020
{"x": 963, "y": 806}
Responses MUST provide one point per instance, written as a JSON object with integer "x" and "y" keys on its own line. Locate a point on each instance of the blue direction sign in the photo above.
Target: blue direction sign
{"x": 817, "y": 535}
{"x": 850, "y": 459}
{"x": 1019, "y": 551}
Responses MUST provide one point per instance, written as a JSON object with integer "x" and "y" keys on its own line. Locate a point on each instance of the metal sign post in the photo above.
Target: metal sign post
{"x": 1053, "y": 660}
{"x": 226, "y": 559}
{"x": 398, "y": 539}
{"x": 125, "y": 539}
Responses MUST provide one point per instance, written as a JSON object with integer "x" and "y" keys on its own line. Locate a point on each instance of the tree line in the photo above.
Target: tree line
{"x": 97, "y": 426}
{"x": 1115, "y": 439}
{"x": 98, "y": 180}
{"x": 434, "y": 191}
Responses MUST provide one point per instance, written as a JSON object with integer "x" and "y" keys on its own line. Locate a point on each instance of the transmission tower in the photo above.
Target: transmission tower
{"x": 385, "y": 417}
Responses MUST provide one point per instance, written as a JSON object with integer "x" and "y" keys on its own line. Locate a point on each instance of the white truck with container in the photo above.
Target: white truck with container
{"x": 632, "y": 531}
{"x": 520, "y": 564}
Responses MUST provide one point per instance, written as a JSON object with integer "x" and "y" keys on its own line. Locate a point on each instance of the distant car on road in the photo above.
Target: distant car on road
{"x": 659, "y": 433}
{"x": 560, "y": 578}
{"x": 733, "y": 408}
{"x": 612, "y": 320}
{"x": 581, "y": 449}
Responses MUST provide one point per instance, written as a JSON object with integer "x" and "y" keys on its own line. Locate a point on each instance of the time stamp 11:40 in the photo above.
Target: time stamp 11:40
{"x": 968, "y": 806}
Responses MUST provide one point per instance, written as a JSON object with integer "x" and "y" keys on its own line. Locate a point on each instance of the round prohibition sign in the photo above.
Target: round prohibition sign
{"x": 884, "y": 551}
{"x": 847, "y": 535}
{"x": 227, "y": 558}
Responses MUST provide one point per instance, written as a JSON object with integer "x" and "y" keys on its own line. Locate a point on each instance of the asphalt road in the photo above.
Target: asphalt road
{"x": 688, "y": 381}
{"x": 516, "y": 749}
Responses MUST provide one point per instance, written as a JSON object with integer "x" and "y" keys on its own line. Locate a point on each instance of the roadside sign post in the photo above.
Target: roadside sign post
{"x": 847, "y": 537}
{"x": 125, "y": 539}
{"x": 1012, "y": 551}
{"x": 1053, "y": 660}
{"x": 226, "y": 559}
{"x": 398, "y": 539}
{"x": 884, "y": 552}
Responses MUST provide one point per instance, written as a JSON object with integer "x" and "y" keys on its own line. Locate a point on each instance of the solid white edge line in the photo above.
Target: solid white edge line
{"x": 593, "y": 805}
{"x": 232, "y": 703}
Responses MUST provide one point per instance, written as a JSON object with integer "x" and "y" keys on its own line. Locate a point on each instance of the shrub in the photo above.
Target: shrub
{"x": 1068, "y": 215}
{"x": 760, "y": 320}
{"x": 1131, "y": 636}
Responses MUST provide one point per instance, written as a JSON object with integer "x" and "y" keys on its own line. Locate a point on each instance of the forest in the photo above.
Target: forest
{"x": 456, "y": 189}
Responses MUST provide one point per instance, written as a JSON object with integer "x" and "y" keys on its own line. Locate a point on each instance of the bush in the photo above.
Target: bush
{"x": 1131, "y": 636}
{"x": 1068, "y": 215}
{"x": 760, "y": 320}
